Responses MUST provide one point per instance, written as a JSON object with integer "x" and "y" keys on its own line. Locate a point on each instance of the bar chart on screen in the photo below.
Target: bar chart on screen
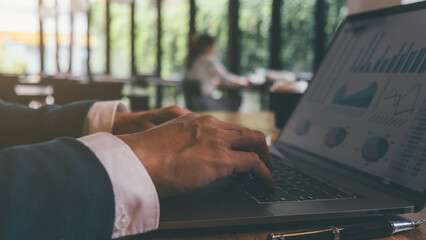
{"x": 380, "y": 57}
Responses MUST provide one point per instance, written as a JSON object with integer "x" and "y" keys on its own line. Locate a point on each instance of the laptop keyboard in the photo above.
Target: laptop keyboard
{"x": 293, "y": 185}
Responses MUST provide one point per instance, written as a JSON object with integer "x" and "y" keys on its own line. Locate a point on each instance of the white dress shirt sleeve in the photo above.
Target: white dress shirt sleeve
{"x": 137, "y": 208}
{"x": 100, "y": 117}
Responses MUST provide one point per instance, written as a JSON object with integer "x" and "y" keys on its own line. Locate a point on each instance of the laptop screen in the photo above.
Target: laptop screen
{"x": 366, "y": 106}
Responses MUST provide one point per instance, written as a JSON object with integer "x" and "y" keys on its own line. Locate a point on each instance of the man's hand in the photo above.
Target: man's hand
{"x": 192, "y": 151}
{"x": 125, "y": 123}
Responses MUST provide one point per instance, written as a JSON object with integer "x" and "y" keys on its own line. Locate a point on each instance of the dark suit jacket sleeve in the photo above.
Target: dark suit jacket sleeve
{"x": 22, "y": 125}
{"x": 54, "y": 190}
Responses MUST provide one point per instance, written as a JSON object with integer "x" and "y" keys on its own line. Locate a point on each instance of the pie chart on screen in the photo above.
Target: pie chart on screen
{"x": 374, "y": 148}
{"x": 335, "y": 136}
{"x": 302, "y": 127}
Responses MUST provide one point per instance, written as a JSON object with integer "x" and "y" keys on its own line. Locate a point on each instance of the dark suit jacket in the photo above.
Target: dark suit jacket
{"x": 55, "y": 189}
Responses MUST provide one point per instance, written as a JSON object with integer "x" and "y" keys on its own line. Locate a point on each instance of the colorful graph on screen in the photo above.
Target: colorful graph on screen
{"x": 360, "y": 99}
{"x": 335, "y": 136}
{"x": 405, "y": 58}
{"x": 302, "y": 127}
{"x": 374, "y": 148}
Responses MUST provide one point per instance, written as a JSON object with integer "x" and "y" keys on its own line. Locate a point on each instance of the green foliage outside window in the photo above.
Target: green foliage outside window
{"x": 120, "y": 40}
{"x": 298, "y": 35}
{"x": 337, "y": 11}
{"x": 97, "y": 37}
{"x": 254, "y": 23}
{"x": 9, "y": 63}
{"x": 174, "y": 42}
{"x": 212, "y": 19}
{"x": 146, "y": 36}
{"x": 298, "y": 31}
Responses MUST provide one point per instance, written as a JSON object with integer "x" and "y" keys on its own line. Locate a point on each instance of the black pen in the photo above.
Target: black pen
{"x": 381, "y": 228}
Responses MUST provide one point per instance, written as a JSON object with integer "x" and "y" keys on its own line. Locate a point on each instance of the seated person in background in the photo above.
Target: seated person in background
{"x": 91, "y": 170}
{"x": 203, "y": 68}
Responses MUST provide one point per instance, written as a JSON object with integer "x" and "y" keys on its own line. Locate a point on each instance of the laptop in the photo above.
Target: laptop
{"x": 355, "y": 145}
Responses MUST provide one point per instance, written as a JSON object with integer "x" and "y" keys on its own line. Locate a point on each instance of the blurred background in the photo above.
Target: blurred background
{"x": 56, "y": 51}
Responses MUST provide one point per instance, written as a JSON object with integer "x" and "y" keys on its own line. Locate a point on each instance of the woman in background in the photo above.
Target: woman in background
{"x": 204, "y": 74}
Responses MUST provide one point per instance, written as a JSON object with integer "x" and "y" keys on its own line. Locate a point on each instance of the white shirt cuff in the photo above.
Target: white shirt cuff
{"x": 100, "y": 117}
{"x": 137, "y": 208}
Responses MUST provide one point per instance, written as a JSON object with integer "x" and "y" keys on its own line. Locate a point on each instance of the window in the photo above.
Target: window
{"x": 64, "y": 30}
{"x": 337, "y": 12}
{"x": 212, "y": 18}
{"x": 146, "y": 36}
{"x": 298, "y": 35}
{"x": 97, "y": 36}
{"x": 79, "y": 48}
{"x": 174, "y": 42}
{"x": 47, "y": 14}
{"x": 120, "y": 39}
{"x": 19, "y": 42}
{"x": 255, "y": 34}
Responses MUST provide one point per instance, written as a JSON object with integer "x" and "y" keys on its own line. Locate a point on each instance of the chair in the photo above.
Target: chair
{"x": 196, "y": 101}
{"x": 71, "y": 91}
{"x": 192, "y": 95}
{"x": 106, "y": 90}
{"x": 7, "y": 88}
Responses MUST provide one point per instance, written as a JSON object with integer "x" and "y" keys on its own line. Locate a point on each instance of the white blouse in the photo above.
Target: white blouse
{"x": 211, "y": 73}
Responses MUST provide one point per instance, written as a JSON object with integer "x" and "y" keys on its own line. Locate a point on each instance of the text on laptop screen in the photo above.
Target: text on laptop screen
{"x": 366, "y": 107}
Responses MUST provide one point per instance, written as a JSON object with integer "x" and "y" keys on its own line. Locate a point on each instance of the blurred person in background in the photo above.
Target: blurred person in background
{"x": 205, "y": 74}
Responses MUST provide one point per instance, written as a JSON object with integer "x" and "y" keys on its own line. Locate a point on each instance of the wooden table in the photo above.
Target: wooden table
{"x": 265, "y": 122}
